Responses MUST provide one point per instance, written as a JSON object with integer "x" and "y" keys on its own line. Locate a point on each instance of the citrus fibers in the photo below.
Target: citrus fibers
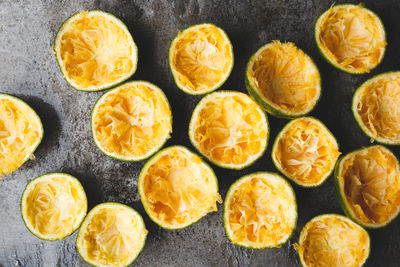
{"x": 131, "y": 121}
{"x": 201, "y": 58}
{"x": 177, "y": 188}
{"x": 112, "y": 234}
{"x": 95, "y": 51}
{"x": 260, "y": 211}
{"x": 229, "y": 128}
{"x": 53, "y": 205}
{"x": 283, "y": 80}
{"x": 376, "y": 108}
{"x": 351, "y": 37}
{"x": 368, "y": 186}
{"x": 305, "y": 151}
{"x": 21, "y": 131}
{"x": 333, "y": 240}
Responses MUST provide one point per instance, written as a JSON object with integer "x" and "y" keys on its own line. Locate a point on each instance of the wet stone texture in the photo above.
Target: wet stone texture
{"x": 28, "y": 69}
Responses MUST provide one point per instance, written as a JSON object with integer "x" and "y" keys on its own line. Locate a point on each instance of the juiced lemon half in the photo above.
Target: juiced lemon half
{"x": 21, "y": 131}
{"x": 95, "y": 51}
{"x": 305, "y": 151}
{"x": 229, "y": 128}
{"x": 333, "y": 240}
{"x": 201, "y": 58}
{"x": 131, "y": 121}
{"x": 376, "y": 108}
{"x": 53, "y": 205}
{"x": 368, "y": 186}
{"x": 112, "y": 234}
{"x": 283, "y": 80}
{"x": 260, "y": 211}
{"x": 177, "y": 188}
{"x": 351, "y": 37}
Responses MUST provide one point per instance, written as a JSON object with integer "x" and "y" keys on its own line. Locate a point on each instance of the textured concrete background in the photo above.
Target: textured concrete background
{"x": 28, "y": 69}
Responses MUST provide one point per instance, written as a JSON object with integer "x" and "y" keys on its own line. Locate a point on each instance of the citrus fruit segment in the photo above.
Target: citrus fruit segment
{"x": 260, "y": 211}
{"x": 351, "y": 37}
{"x": 229, "y": 128}
{"x": 177, "y": 188}
{"x": 53, "y": 205}
{"x": 376, "y": 108}
{"x": 95, "y": 51}
{"x": 112, "y": 234}
{"x": 283, "y": 80}
{"x": 201, "y": 58}
{"x": 305, "y": 151}
{"x": 333, "y": 240}
{"x": 131, "y": 121}
{"x": 21, "y": 132}
{"x": 368, "y": 186}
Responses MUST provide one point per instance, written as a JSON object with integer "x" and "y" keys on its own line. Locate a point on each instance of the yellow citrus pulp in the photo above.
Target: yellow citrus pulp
{"x": 229, "y": 128}
{"x": 132, "y": 121}
{"x": 112, "y": 234}
{"x": 333, "y": 240}
{"x": 201, "y": 58}
{"x": 95, "y": 51}
{"x": 53, "y": 206}
{"x": 305, "y": 151}
{"x": 283, "y": 79}
{"x": 369, "y": 183}
{"x": 351, "y": 37}
{"x": 21, "y": 131}
{"x": 376, "y": 107}
{"x": 260, "y": 211}
{"x": 177, "y": 188}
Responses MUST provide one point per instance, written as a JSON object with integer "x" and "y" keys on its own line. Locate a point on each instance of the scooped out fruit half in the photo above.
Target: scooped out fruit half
{"x": 21, "y": 131}
{"x": 95, "y": 51}
{"x": 368, "y": 186}
{"x": 112, "y": 234}
{"x": 283, "y": 80}
{"x": 132, "y": 121}
{"x": 260, "y": 211}
{"x": 177, "y": 188}
{"x": 351, "y": 37}
{"x": 53, "y": 206}
{"x": 305, "y": 151}
{"x": 201, "y": 58}
{"x": 376, "y": 108}
{"x": 333, "y": 240}
{"x": 230, "y": 129}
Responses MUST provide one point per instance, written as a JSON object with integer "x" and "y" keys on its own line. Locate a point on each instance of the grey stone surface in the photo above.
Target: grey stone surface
{"x": 28, "y": 69}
